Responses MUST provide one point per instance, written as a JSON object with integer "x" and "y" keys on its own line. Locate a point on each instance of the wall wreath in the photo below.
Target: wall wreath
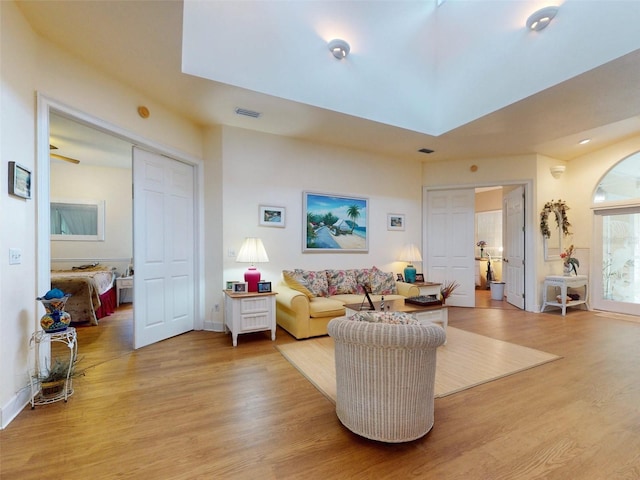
{"x": 559, "y": 208}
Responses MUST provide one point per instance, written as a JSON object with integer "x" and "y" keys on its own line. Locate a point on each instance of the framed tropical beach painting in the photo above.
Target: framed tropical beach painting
{"x": 334, "y": 223}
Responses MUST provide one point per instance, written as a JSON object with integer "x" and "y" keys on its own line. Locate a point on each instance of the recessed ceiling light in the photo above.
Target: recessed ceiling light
{"x": 339, "y": 48}
{"x": 585, "y": 141}
{"x": 541, "y": 19}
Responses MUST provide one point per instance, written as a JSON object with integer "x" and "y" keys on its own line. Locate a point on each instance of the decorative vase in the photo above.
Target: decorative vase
{"x": 56, "y": 319}
{"x": 567, "y": 270}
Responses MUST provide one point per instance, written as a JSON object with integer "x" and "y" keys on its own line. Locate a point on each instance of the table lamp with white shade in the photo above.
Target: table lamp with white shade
{"x": 252, "y": 251}
{"x": 410, "y": 254}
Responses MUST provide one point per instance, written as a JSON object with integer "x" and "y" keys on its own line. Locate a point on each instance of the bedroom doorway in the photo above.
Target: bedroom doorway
{"x": 46, "y": 107}
{"x": 92, "y": 167}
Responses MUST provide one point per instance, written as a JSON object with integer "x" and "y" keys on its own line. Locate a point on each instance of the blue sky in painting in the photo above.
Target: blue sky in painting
{"x": 337, "y": 205}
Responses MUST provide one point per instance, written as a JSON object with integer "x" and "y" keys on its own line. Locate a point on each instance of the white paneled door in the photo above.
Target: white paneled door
{"x": 163, "y": 247}
{"x": 450, "y": 220}
{"x": 513, "y": 255}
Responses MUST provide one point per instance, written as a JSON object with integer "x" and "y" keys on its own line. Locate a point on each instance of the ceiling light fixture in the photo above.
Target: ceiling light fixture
{"x": 339, "y": 48}
{"x": 425, "y": 150}
{"x": 584, "y": 142}
{"x": 557, "y": 171}
{"x": 541, "y": 18}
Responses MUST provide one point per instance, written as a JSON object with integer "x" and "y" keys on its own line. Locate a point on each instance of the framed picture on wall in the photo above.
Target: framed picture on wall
{"x": 272, "y": 216}
{"x": 19, "y": 180}
{"x": 395, "y": 221}
{"x": 334, "y": 223}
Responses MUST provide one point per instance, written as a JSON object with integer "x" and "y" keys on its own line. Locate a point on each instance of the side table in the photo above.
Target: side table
{"x": 122, "y": 283}
{"x": 564, "y": 283}
{"x": 249, "y": 312}
{"x": 40, "y": 365}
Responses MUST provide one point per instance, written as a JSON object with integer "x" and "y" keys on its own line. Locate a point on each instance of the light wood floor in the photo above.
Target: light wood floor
{"x": 194, "y": 407}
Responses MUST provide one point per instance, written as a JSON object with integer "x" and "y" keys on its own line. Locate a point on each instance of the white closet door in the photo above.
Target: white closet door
{"x": 163, "y": 244}
{"x": 449, "y": 242}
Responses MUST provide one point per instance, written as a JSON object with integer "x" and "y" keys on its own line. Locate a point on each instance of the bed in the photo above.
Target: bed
{"x": 92, "y": 289}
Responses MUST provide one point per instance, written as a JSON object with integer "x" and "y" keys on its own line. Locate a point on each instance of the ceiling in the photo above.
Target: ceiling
{"x": 478, "y": 95}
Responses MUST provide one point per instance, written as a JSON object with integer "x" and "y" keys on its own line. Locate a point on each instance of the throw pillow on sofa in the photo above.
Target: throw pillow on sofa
{"x": 382, "y": 283}
{"x": 314, "y": 282}
{"x": 341, "y": 282}
{"x": 363, "y": 279}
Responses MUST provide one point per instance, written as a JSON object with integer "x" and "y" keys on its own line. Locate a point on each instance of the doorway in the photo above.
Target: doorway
{"x": 47, "y": 106}
{"x": 442, "y": 248}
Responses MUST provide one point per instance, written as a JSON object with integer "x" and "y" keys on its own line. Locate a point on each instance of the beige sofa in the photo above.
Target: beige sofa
{"x": 307, "y": 301}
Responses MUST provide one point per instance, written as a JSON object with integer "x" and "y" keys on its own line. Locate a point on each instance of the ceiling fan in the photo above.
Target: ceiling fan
{"x": 61, "y": 157}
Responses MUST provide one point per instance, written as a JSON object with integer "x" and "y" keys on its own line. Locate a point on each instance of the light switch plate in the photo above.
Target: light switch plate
{"x": 15, "y": 256}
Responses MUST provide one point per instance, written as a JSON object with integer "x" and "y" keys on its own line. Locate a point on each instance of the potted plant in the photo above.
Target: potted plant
{"x": 54, "y": 379}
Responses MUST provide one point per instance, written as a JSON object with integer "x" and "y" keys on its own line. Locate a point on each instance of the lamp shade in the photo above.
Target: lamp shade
{"x": 410, "y": 254}
{"x": 252, "y": 251}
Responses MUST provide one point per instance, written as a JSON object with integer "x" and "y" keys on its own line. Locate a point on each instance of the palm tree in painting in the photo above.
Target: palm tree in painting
{"x": 353, "y": 212}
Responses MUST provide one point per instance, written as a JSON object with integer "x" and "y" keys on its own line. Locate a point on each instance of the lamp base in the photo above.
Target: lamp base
{"x": 252, "y": 277}
{"x": 410, "y": 274}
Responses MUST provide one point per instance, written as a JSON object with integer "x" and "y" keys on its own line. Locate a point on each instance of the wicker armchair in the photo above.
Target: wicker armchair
{"x": 385, "y": 377}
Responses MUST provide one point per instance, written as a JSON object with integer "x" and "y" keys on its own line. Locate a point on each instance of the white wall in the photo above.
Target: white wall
{"x": 30, "y": 65}
{"x": 271, "y": 170}
{"x": 111, "y": 185}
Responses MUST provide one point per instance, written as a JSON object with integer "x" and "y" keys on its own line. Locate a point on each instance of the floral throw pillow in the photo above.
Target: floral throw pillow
{"x": 341, "y": 281}
{"x": 362, "y": 278}
{"x": 382, "y": 283}
{"x": 315, "y": 282}
{"x": 393, "y": 318}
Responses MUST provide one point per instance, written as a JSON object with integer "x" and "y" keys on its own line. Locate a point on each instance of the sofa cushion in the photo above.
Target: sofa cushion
{"x": 341, "y": 281}
{"x": 293, "y": 283}
{"x": 325, "y": 307}
{"x": 314, "y": 282}
{"x": 393, "y": 318}
{"x": 382, "y": 283}
{"x": 362, "y": 277}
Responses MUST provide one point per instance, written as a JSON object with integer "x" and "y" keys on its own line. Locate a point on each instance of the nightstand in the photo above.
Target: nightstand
{"x": 249, "y": 312}
{"x": 122, "y": 282}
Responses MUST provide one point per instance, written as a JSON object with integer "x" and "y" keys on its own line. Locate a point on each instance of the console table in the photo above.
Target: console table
{"x": 564, "y": 283}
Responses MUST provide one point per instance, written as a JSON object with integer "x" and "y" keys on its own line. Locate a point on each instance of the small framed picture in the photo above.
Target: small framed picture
{"x": 400, "y": 278}
{"x": 240, "y": 287}
{"x": 395, "y": 221}
{"x": 264, "y": 287}
{"x": 272, "y": 216}
{"x": 230, "y": 284}
{"x": 420, "y": 277}
{"x": 19, "y": 180}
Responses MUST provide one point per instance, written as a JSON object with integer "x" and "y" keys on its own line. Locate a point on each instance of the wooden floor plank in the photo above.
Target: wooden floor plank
{"x": 195, "y": 407}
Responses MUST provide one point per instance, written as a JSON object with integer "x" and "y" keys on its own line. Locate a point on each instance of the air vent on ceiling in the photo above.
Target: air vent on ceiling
{"x": 425, "y": 150}
{"x": 248, "y": 113}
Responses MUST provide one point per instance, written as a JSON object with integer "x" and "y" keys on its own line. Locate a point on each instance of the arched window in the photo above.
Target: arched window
{"x": 620, "y": 183}
{"x": 616, "y": 246}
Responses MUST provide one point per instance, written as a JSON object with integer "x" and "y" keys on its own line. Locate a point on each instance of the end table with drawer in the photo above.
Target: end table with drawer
{"x": 249, "y": 312}
{"x": 122, "y": 283}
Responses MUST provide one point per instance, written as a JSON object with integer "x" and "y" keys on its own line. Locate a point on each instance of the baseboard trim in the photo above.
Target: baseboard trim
{"x": 14, "y": 406}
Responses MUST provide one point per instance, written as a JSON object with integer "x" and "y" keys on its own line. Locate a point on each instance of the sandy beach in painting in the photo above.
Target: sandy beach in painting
{"x": 351, "y": 241}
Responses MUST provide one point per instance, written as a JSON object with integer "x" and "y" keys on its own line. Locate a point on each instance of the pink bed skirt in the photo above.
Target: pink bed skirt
{"x": 108, "y": 301}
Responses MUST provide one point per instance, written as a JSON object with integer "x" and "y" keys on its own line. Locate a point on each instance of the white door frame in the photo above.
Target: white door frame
{"x": 530, "y": 280}
{"x": 45, "y": 105}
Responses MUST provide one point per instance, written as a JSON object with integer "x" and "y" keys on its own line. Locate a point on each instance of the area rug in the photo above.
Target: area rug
{"x": 467, "y": 360}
